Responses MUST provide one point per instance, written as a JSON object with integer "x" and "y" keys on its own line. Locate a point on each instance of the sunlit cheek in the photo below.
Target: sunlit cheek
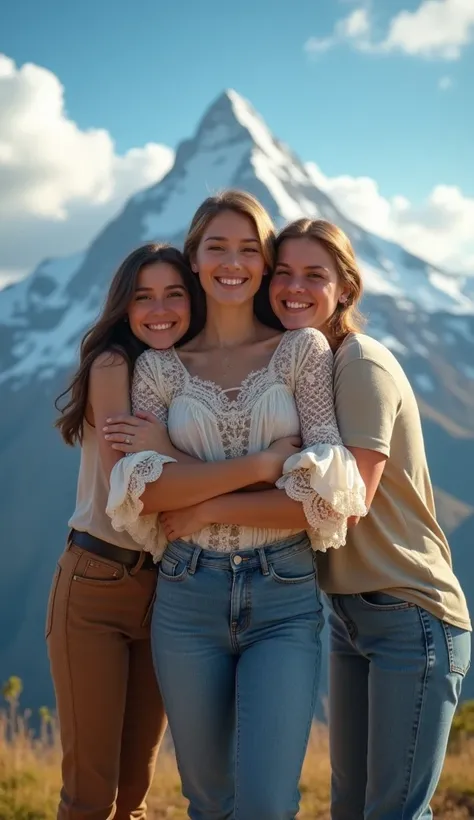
{"x": 207, "y": 260}
{"x": 134, "y": 317}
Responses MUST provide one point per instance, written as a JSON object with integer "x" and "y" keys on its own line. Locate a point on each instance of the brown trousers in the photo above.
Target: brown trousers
{"x": 110, "y": 711}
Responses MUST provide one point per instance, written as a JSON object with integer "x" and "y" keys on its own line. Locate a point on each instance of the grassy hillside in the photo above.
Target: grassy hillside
{"x": 30, "y": 780}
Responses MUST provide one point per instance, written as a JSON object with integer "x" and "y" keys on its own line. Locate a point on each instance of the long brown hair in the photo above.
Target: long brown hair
{"x": 347, "y": 317}
{"x": 111, "y": 332}
{"x": 246, "y": 205}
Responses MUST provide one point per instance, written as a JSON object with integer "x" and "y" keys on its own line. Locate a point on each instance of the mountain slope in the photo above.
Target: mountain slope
{"x": 425, "y": 316}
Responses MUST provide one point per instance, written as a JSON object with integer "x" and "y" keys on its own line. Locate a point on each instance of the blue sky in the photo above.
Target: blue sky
{"x": 332, "y": 78}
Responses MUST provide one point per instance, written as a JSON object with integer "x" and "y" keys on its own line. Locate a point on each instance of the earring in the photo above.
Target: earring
{"x": 343, "y": 299}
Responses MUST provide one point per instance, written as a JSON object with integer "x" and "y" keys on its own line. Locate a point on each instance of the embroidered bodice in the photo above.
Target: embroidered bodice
{"x": 290, "y": 396}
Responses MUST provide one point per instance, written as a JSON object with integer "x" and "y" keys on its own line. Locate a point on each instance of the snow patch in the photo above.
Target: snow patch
{"x": 375, "y": 282}
{"x": 39, "y": 349}
{"x": 256, "y": 127}
{"x": 424, "y": 382}
{"x": 16, "y": 299}
{"x": 393, "y": 344}
{"x": 419, "y": 349}
{"x": 203, "y": 178}
{"x": 462, "y": 327}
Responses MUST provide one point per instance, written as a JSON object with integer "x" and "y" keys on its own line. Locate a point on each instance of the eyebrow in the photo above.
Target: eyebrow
{"x": 168, "y": 287}
{"x": 225, "y": 238}
{"x": 307, "y": 267}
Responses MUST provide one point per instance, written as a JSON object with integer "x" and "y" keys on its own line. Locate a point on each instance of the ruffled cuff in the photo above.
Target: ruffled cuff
{"x": 326, "y": 480}
{"x": 128, "y": 480}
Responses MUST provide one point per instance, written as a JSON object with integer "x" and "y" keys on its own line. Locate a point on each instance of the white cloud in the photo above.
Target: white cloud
{"x": 436, "y": 29}
{"x": 58, "y": 184}
{"x": 357, "y": 24}
{"x": 318, "y": 45}
{"x": 445, "y": 83}
{"x": 355, "y": 28}
{"x": 439, "y": 230}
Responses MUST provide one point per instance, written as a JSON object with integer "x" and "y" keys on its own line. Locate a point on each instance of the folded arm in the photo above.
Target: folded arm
{"x": 149, "y": 482}
{"x": 268, "y": 509}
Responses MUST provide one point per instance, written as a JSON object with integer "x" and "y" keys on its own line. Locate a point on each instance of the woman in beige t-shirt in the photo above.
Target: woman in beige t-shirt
{"x": 400, "y": 629}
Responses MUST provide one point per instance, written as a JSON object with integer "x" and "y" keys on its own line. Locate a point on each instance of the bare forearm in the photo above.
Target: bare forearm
{"x": 271, "y": 509}
{"x": 187, "y": 484}
{"x": 183, "y": 458}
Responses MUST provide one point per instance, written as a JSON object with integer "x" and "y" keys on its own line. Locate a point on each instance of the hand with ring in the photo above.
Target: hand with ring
{"x": 133, "y": 434}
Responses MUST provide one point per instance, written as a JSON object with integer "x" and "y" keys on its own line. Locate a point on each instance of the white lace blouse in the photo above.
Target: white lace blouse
{"x": 292, "y": 395}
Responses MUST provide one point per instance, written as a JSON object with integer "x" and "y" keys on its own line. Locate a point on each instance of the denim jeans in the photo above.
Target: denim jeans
{"x": 395, "y": 676}
{"x": 236, "y": 645}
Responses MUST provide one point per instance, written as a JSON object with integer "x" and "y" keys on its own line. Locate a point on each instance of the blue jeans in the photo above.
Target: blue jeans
{"x": 395, "y": 678}
{"x": 236, "y": 645}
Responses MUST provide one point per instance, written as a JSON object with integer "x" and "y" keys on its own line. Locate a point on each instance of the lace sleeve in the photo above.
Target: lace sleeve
{"x": 324, "y": 476}
{"x": 132, "y": 473}
{"x": 148, "y": 389}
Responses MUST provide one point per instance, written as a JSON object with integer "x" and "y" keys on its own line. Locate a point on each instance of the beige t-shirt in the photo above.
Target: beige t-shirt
{"x": 92, "y": 494}
{"x": 398, "y": 548}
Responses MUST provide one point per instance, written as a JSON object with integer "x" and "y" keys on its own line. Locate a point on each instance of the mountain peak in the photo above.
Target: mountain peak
{"x": 233, "y": 112}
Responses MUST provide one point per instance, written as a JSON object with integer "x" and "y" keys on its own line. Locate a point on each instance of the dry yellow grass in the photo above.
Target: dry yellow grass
{"x": 30, "y": 781}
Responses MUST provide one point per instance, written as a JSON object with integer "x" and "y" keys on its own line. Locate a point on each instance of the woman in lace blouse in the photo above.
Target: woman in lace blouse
{"x": 235, "y": 631}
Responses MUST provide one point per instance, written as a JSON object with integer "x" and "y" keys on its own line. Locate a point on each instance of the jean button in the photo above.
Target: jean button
{"x": 237, "y": 559}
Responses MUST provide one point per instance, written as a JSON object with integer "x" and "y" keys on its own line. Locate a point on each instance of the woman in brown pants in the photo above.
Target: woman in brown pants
{"x": 110, "y": 710}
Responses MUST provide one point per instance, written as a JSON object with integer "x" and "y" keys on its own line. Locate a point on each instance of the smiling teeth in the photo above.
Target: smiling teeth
{"x": 164, "y": 326}
{"x": 231, "y": 281}
{"x": 297, "y": 305}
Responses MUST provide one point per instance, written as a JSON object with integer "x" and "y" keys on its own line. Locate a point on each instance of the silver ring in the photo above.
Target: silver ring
{"x": 128, "y": 440}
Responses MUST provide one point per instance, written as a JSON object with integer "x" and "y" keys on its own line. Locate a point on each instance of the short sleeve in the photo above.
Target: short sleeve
{"x": 132, "y": 473}
{"x": 367, "y": 403}
{"x": 324, "y": 476}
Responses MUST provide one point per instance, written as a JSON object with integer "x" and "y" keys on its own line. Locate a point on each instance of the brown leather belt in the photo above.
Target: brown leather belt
{"x": 129, "y": 558}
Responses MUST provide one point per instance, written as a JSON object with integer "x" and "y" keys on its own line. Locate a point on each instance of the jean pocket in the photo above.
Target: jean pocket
{"x": 458, "y": 643}
{"x": 172, "y": 569}
{"x": 298, "y": 568}
{"x": 51, "y": 600}
{"x": 96, "y": 572}
{"x": 381, "y": 601}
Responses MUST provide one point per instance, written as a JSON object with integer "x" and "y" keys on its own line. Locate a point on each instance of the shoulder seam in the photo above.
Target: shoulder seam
{"x": 379, "y": 366}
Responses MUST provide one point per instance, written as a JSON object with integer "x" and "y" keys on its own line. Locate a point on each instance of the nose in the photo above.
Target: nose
{"x": 232, "y": 261}
{"x": 295, "y": 285}
{"x": 157, "y": 307}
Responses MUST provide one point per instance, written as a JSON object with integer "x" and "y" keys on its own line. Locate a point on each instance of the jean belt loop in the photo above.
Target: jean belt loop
{"x": 194, "y": 560}
{"x": 263, "y": 561}
{"x": 137, "y": 567}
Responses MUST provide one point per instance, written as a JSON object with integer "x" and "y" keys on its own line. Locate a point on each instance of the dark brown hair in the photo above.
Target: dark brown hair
{"x": 245, "y": 204}
{"x": 112, "y": 333}
{"x": 347, "y": 317}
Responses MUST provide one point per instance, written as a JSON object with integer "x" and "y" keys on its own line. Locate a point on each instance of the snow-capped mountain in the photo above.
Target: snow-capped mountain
{"x": 423, "y": 314}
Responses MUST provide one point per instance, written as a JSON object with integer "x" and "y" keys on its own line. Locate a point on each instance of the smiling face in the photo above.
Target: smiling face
{"x": 229, "y": 259}
{"x": 160, "y": 311}
{"x": 305, "y": 288}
